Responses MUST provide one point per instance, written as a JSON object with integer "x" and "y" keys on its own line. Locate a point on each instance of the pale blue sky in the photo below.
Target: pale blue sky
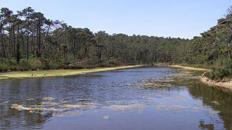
{"x": 175, "y": 18}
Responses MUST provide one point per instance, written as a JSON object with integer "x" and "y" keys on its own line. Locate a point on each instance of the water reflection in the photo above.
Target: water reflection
{"x": 204, "y": 126}
{"x": 69, "y": 92}
{"x": 18, "y": 91}
{"x": 38, "y": 103}
{"x": 215, "y": 98}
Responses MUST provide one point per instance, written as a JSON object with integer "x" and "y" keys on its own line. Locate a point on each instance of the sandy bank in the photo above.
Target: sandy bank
{"x": 226, "y": 85}
{"x": 189, "y": 68}
{"x": 221, "y": 84}
{"x": 59, "y": 73}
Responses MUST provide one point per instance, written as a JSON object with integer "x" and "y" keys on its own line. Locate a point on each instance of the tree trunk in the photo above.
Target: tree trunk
{"x": 14, "y": 40}
{"x": 27, "y": 48}
{"x": 18, "y": 48}
{"x": 2, "y": 44}
{"x": 39, "y": 39}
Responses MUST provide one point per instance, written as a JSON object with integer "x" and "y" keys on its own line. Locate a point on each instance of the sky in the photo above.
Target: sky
{"x": 167, "y": 18}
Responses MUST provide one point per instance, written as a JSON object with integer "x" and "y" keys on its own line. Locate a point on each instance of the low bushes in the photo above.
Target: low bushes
{"x": 221, "y": 72}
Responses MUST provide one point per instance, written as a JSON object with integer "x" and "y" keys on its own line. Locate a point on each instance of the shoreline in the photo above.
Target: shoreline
{"x": 60, "y": 72}
{"x": 185, "y": 67}
{"x": 225, "y": 85}
{"x": 73, "y": 72}
{"x": 189, "y": 68}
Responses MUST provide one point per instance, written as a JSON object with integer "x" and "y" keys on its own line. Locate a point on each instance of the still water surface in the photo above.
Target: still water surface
{"x": 116, "y": 100}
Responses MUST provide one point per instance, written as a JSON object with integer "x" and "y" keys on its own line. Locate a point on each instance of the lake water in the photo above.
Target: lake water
{"x": 116, "y": 100}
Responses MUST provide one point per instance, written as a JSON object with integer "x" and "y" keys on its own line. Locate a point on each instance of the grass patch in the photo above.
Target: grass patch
{"x": 59, "y": 73}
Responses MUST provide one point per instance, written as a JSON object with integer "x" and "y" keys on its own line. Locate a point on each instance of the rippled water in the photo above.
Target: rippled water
{"x": 117, "y": 100}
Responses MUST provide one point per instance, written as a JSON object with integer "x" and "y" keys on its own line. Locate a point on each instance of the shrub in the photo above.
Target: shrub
{"x": 221, "y": 72}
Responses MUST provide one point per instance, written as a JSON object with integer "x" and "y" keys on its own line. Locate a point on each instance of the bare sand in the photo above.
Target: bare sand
{"x": 189, "y": 68}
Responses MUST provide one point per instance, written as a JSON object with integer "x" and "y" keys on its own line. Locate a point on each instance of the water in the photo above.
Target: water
{"x": 116, "y": 100}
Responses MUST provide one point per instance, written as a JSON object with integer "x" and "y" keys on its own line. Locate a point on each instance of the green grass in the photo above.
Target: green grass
{"x": 58, "y": 73}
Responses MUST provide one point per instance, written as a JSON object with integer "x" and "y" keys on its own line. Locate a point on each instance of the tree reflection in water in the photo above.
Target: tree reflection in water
{"x": 107, "y": 89}
{"x": 217, "y": 99}
{"x": 204, "y": 126}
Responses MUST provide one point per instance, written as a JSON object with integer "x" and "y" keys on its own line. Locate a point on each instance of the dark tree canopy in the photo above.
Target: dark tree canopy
{"x": 30, "y": 41}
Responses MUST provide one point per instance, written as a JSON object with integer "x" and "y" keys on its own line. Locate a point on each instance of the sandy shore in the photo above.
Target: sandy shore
{"x": 189, "y": 68}
{"x": 221, "y": 84}
{"x": 59, "y": 73}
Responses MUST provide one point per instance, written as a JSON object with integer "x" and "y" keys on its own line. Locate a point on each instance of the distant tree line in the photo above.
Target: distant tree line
{"x": 30, "y": 41}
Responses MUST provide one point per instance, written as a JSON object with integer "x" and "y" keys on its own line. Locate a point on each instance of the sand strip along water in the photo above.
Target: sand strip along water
{"x": 59, "y": 73}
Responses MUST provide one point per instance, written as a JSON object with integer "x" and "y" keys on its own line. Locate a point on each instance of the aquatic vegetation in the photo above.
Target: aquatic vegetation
{"x": 47, "y": 103}
{"x": 79, "y": 106}
{"x": 168, "y": 81}
{"x": 49, "y": 106}
{"x": 157, "y": 84}
{"x": 34, "y": 108}
{"x": 19, "y": 107}
{"x": 48, "y": 98}
{"x": 127, "y": 107}
{"x": 30, "y": 99}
